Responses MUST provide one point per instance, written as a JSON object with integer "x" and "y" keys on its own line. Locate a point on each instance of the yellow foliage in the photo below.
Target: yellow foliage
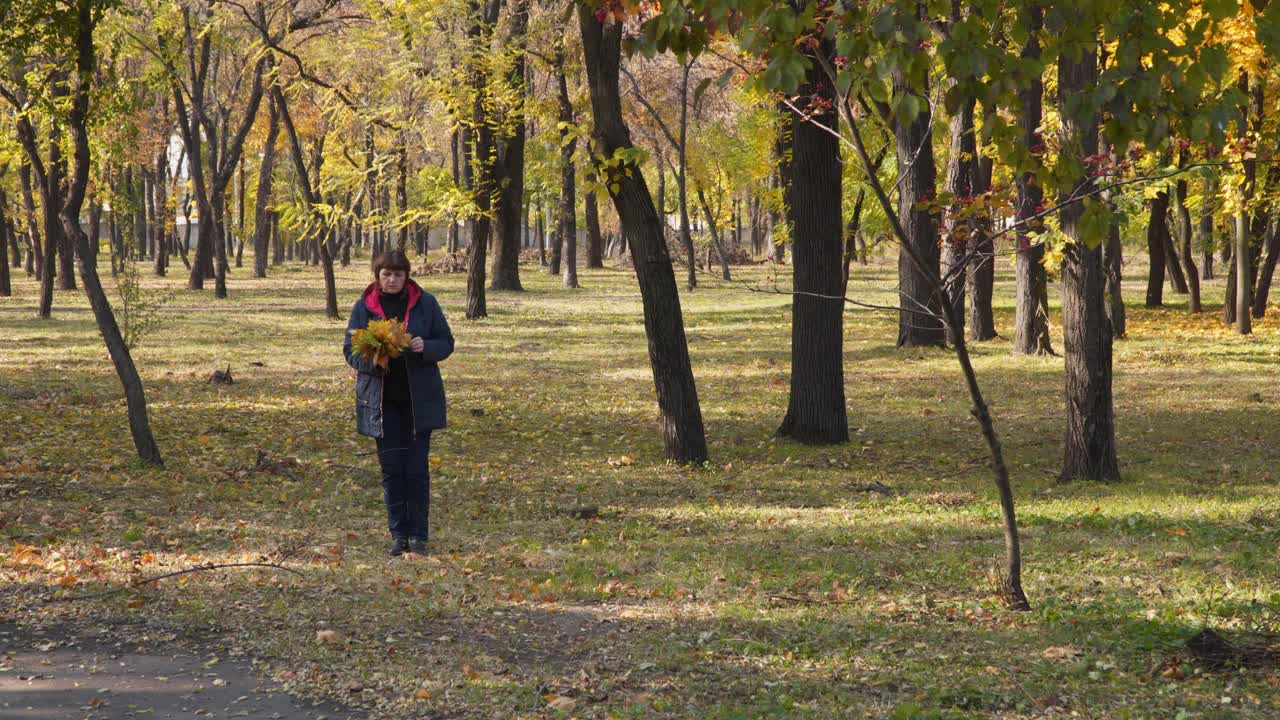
{"x": 1240, "y": 33}
{"x": 381, "y": 341}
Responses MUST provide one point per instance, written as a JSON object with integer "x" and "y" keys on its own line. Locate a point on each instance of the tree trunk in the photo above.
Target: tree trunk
{"x": 11, "y": 231}
{"x": 95, "y": 230}
{"x": 1173, "y": 263}
{"x": 241, "y": 191}
{"x": 69, "y": 213}
{"x": 682, "y": 175}
{"x": 186, "y": 233}
{"x": 1157, "y": 229}
{"x": 661, "y": 197}
{"x": 918, "y": 320}
{"x": 1031, "y": 319}
{"x": 1090, "y": 447}
{"x": 402, "y": 194}
{"x": 1239, "y": 302}
{"x": 1206, "y": 231}
{"x": 484, "y": 14}
{"x": 982, "y": 268}
{"x": 540, "y": 230}
{"x": 53, "y": 243}
{"x": 311, "y": 195}
{"x": 160, "y": 220}
{"x": 566, "y": 246}
{"x": 781, "y": 145}
{"x": 816, "y": 410}
{"x": 6, "y": 288}
{"x": 958, "y": 234}
{"x": 35, "y": 258}
{"x": 66, "y": 244}
{"x": 680, "y": 415}
{"x": 1240, "y": 269}
{"x": 147, "y": 210}
{"x": 262, "y": 205}
{"x": 716, "y": 241}
{"x": 114, "y": 242}
{"x": 15, "y": 248}
{"x": 1112, "y": 250}
{"x": 595, "y": 242}
{"x": 508, "y": 215}
{"x": 1188, "y": 259}
{"x": 1267, "y": 270}
{"x": 219, "y": 244}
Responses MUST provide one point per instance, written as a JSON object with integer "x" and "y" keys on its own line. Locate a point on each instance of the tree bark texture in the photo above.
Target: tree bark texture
{"x": 1090, "y": 443}
{"x": 816, "y": 411}
{"x": 680, "y": 416}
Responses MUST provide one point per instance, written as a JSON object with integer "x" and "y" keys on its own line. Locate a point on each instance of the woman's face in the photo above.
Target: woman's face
{"x": 391, "y": 282}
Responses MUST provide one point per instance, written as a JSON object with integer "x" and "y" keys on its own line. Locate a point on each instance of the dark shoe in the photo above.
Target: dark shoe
{"x": 399, "y": 547}
{"x": 418, "y": 546}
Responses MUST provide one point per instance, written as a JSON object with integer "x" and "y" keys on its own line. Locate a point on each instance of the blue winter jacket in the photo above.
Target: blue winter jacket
{"x": 424, "y": 319}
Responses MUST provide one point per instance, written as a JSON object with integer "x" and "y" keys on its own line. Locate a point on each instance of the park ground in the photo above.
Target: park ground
{"x": 573, "y": 573}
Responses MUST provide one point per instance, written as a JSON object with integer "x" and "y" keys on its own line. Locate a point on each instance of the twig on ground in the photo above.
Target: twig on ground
{"x": 175, "y": 573}
{"x": 875, "y": 487}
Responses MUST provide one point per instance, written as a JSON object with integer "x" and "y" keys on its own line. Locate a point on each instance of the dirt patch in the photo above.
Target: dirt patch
{"x": 527, "y": 639}
{"x": 59, "y": 672}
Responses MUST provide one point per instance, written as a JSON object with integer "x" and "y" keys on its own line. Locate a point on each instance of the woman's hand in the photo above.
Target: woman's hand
{"x": 415, "y": 345}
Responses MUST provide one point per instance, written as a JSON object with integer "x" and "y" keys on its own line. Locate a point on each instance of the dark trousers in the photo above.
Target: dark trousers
{"x": 406, "y": 479}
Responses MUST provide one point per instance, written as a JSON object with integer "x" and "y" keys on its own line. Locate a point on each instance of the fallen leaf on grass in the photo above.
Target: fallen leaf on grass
{"x": 1061, "y": 652}
{"x": 422, "y": 694}
{"x": 560, "y": 702}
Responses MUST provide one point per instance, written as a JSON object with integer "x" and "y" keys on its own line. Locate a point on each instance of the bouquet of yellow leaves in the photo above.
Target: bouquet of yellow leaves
{"x": 381, "y": 341}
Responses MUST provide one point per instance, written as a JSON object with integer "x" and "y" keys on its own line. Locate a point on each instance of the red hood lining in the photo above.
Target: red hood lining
{"x": 374, "y": 303}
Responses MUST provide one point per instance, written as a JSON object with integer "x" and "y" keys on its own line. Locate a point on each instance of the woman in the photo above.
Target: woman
{"x": 402, "y": 404}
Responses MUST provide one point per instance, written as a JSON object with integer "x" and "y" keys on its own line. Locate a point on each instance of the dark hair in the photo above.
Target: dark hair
{"x": 390, "y": 260}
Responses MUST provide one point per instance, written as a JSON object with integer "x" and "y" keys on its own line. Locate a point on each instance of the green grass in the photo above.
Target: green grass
{"x": 760, "y": 586}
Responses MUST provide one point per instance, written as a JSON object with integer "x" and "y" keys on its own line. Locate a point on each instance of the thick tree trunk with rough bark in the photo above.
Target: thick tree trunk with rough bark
{"x": 680, "y": 413}
{"x": 816, "y": 411}
{"x": 1090, "y": 443}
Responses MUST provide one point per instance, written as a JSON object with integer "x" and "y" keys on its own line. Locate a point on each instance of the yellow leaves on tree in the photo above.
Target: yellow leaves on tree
{"x": 381, "y": 341}
{"x": 1240, "y": 33}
